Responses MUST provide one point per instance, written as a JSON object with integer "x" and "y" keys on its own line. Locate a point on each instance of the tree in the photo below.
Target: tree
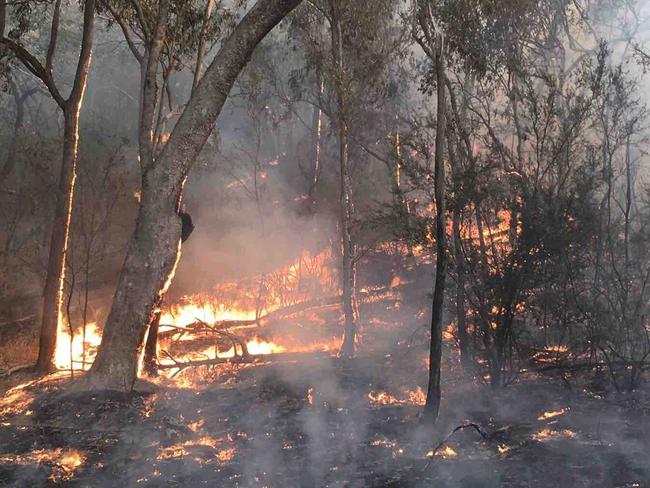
{"x": 169, "y": 32}
{"x": 53, "y": 290}
{"x": 349, "y": 57}
{"x": 153, "y": 250}
{"x": 434, "y": 45}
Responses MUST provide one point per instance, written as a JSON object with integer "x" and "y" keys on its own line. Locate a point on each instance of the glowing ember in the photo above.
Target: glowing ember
{"x": 411, "y": 397}
{"x": 202, "y": 450}
{"x": 549, "y": 434}
{"x": 445, "y": 453}
{"x": 503, "y": 449}
{"x": 226, "y": 455}
{"x": 397, "y": 451}
{"x": 550, "y": 415}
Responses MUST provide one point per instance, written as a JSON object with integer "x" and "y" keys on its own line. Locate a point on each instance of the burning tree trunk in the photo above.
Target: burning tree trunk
{"x": 150, "y": 361}
{"x": 348, "y": 274}
{"x": 154, "y": 247}
{"x": 53, "y": 290}
{"x": 432, "y": 404}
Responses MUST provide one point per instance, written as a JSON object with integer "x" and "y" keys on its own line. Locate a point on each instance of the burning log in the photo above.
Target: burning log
{"x": 280, "y": 313}
{"x": 237, "y": 359}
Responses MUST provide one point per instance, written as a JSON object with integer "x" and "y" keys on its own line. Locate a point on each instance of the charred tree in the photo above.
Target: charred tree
{"x": 432, "y": 404}
{"x": 54, "y": 280}
{"x": 154, "y": 248}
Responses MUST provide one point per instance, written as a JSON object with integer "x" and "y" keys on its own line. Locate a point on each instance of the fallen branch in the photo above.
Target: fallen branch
{"x": 464, "y": 426}
{"x": 16, "y": 369}
{"x": 583, "y": 365}
{"x": 251, "y": 358}
{"x": 280, "y": 313}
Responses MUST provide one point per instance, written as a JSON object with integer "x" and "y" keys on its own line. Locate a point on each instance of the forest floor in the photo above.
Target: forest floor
{"x": 313, "y": 424}
{"x": 323, "y": 421}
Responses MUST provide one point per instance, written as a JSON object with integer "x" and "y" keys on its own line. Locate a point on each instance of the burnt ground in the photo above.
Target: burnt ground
{"x": 312, "y": 424}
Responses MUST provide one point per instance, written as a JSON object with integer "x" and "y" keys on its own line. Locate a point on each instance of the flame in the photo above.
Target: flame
{"x": 255, "y": 346}
{"x": 206, "y": 311}
{"x": 413, "y": 397}
{"x": 553, "y": 414}
{"x": 549, "y": 434}
{"x": 246, "y": 300}
{"x": 445, "y": 453}
{"x": 79, "y": 349}
{"x": 204, "y": 450}
{"x": 64, "y": 463}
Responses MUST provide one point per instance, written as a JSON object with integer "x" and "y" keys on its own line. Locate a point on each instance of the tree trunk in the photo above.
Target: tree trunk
{"x": 53, "y": 291}
{"x": 150, "y": 361}
{"x": 154, "y": 247}
{"x": 348, "y": 271}
{"x": 461, "y": 317}
{"x": 432, "y": 405}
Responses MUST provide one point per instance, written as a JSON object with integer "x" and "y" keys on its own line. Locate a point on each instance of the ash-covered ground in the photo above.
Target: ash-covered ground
{"x": 326, "y": 422}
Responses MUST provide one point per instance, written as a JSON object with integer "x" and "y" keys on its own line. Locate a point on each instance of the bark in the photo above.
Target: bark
{"x": 432, "y": 405}
{"x": 154, "y": 248}
{"x": 150, "y": 362}
{"x": 348, "y": 274}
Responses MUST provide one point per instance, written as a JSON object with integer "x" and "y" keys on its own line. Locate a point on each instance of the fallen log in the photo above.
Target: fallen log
{"x": 577, "y": 366}
{"x": 280, "y": 313}
{"x": 248, "y": 359}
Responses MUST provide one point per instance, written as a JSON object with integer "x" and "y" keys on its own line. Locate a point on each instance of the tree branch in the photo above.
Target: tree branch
{"x": 125, "y": 30}
{"x": 54, "y": 35}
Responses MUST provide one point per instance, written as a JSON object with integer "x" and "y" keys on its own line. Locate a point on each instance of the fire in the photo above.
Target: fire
{"x": 413, "y": 397}
{"x": 204, "y": 450}
{"x": 204, "y": 311}
{"x": 445, "y": 453}
{"x": 246, "y": 301}
{"x": 255, "y": 346}
{"x": 78, "y": 354}
{"x": 64, "y": 463}
{"x": 549, "y": 434}
{"x": 226, "y": 455}
{"x": 550, "y": 415}
{"x": 503, "y": 449}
